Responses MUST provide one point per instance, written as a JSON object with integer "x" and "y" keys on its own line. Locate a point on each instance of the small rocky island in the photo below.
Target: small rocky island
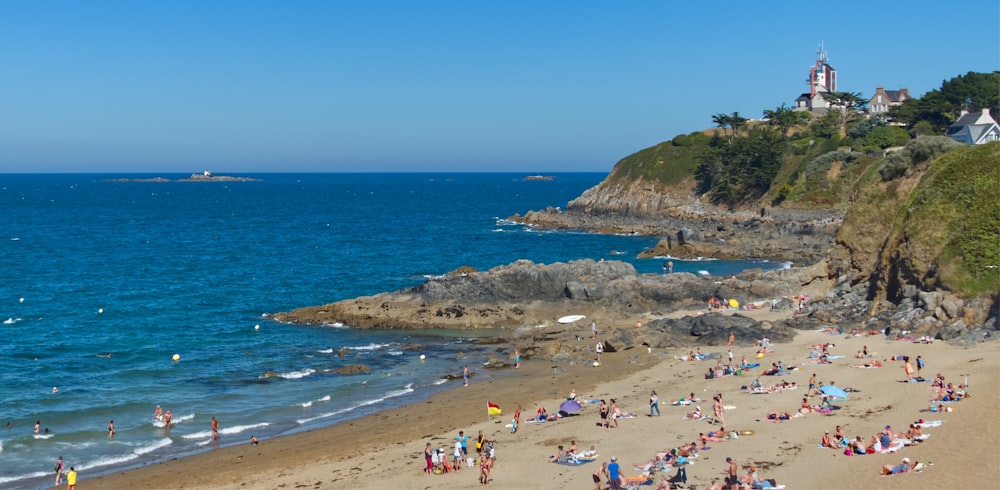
{"x": 205, "y": 176}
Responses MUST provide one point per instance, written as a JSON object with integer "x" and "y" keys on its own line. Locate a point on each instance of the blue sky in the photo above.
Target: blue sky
{"x": 330, "y": 86}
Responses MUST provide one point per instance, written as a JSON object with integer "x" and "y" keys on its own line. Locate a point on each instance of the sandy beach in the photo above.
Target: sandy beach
{"x": 385, "y": 450}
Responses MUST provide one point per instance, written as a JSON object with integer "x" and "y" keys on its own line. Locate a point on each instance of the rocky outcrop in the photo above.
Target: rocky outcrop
{"x": 690, "y": 228}
{"x": 529, "y": 294}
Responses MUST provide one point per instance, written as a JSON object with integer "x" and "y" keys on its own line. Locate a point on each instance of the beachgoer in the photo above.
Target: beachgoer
{"x": 732, "y": 338}
{"x": 517, "y": 358}
{"x": 572, "y": 450}
{"x": 908, "y": 368}
{"x": 38, "y": 426}
{"x": 599, "y": 348}
{"x": 572, "y": 394}
{"x": 480, "y": 442}
{"x": 167, "y": 418}
{"x": 615, "y": 475}
{"x": 59, "y": 470}
{"x": 560, "y": 456}
{"x": 593, "y": 330}
{"x": 464, "y": 441}
{"x": 254, "y": 441}
{"x": 603, "y": 470}
{"x": 920, "y": 365}
{"x": 158, "y": 413}
{"x": 614, "y": 412}
{"x": 465, "y": 374}
{"x": 731, "y": 475}
{"x": 71, "y": 478}
{"x": 718, "y": 408}
{"x": 429, "y": 457}
{"x": 484, "y": 471}
{"x": 670, "y": 266}
{"x": 517, "y": 420}
{"x": 215, "y": 429}
{"x": 654, "y": 403}
{"x": 458, "y": 455}
{"x": 903, "y": 467}
{"x": 603, "y": 410}
{"x": 111, "y": 428}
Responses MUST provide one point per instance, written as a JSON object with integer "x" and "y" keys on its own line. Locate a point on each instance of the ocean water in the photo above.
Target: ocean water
{"x": 104, "y": 282}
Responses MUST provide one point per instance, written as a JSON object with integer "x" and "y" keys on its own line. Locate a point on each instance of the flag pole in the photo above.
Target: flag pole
{"x": 488, "y": 417}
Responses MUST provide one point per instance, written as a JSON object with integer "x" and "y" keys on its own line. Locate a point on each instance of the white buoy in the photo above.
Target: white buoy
{"x": 100, "y": 311}
{"x": 422, "y": 357}
{"x": 22, "y": 300}
{"x": 256, "y": 327}
{"x": 176, "y": 357}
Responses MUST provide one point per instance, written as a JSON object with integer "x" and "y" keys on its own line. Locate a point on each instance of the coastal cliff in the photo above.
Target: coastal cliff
{"x": 910, "y": 250}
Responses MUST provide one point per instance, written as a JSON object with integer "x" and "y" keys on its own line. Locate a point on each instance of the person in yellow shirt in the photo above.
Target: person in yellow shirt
{"x": 71, "y": 478}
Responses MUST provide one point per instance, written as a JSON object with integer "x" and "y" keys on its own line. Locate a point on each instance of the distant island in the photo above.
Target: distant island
{"x": 540, "y": 177}
{"x": 205, "y": 176}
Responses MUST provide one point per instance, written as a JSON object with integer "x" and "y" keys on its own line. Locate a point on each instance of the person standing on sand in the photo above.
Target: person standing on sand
{"x": 593, "y": 330}
{"x": 71, "y": 478}
{"x": 732, "y": 478}
{"x": 429, "y": 456}
{"x": 920, "y": 365}
{"x": 654, "y": 403}
{"x": 908, "y": 368}
{"x": 464, "y": 441}
{"x": 732, "y": 338}
{"x": 599, "y": 348}
{"x": 517, "y": 358}
{"x": 215, "y": 429}
{"x": 615, "y": 475}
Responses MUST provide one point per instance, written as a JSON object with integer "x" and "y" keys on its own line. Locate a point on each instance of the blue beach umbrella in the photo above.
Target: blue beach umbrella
{"x": 834, "y": 392}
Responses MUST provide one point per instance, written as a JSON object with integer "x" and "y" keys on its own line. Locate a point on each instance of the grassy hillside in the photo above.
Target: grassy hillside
{"x": 666, "y": 164}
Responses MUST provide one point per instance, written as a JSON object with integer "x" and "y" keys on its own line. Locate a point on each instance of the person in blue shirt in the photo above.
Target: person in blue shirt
{"x": 615, "y": 475}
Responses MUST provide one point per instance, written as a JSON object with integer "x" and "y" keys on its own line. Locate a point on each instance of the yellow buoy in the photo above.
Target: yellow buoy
{"x": 176, "y": 357}
{"x": 760, "y": 356}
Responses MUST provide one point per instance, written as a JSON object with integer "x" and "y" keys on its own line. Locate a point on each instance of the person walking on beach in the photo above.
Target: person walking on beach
{"x": 517, "y": 358}
{"x": 465, "y": 374}
{"x": 71, "y": 478}
{"x": 59, "y": 470}
{"x": 599, "y": 348}
{"x": 654, "y": 403}
{"x": 480, "y": 444}
{"x": 593, "y": 330}
{"x": 215, "y": 429}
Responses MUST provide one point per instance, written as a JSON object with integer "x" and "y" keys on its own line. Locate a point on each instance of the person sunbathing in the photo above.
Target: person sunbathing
{"x": 777, "y": 416}
{"x": 858, "y": 446}
{"x": 904, "y": 467}
{"x": 914, "y": 433}
{"x": 827, "y": 441}
{"x": 805, "y": 407}
{"x": 559, "y": 457}
{"x": 694, "y": 415}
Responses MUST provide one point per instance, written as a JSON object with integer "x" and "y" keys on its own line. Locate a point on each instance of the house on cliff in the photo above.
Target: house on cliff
{"x": 822, "y": 79}
{"x": 975, "y": 128}
{"x": 883, "y": 99}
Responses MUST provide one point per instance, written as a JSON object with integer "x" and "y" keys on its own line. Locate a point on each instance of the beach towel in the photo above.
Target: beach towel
{"x": 930, "y": 423}
{"x": 893, "y": 447}
{"x": 575, "y": 462}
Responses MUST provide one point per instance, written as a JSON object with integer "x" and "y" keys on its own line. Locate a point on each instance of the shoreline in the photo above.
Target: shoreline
{"x": 384, "y": 449}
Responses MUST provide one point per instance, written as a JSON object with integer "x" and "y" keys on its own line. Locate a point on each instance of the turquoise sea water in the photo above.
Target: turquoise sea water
{"x": 143, "y": 271}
